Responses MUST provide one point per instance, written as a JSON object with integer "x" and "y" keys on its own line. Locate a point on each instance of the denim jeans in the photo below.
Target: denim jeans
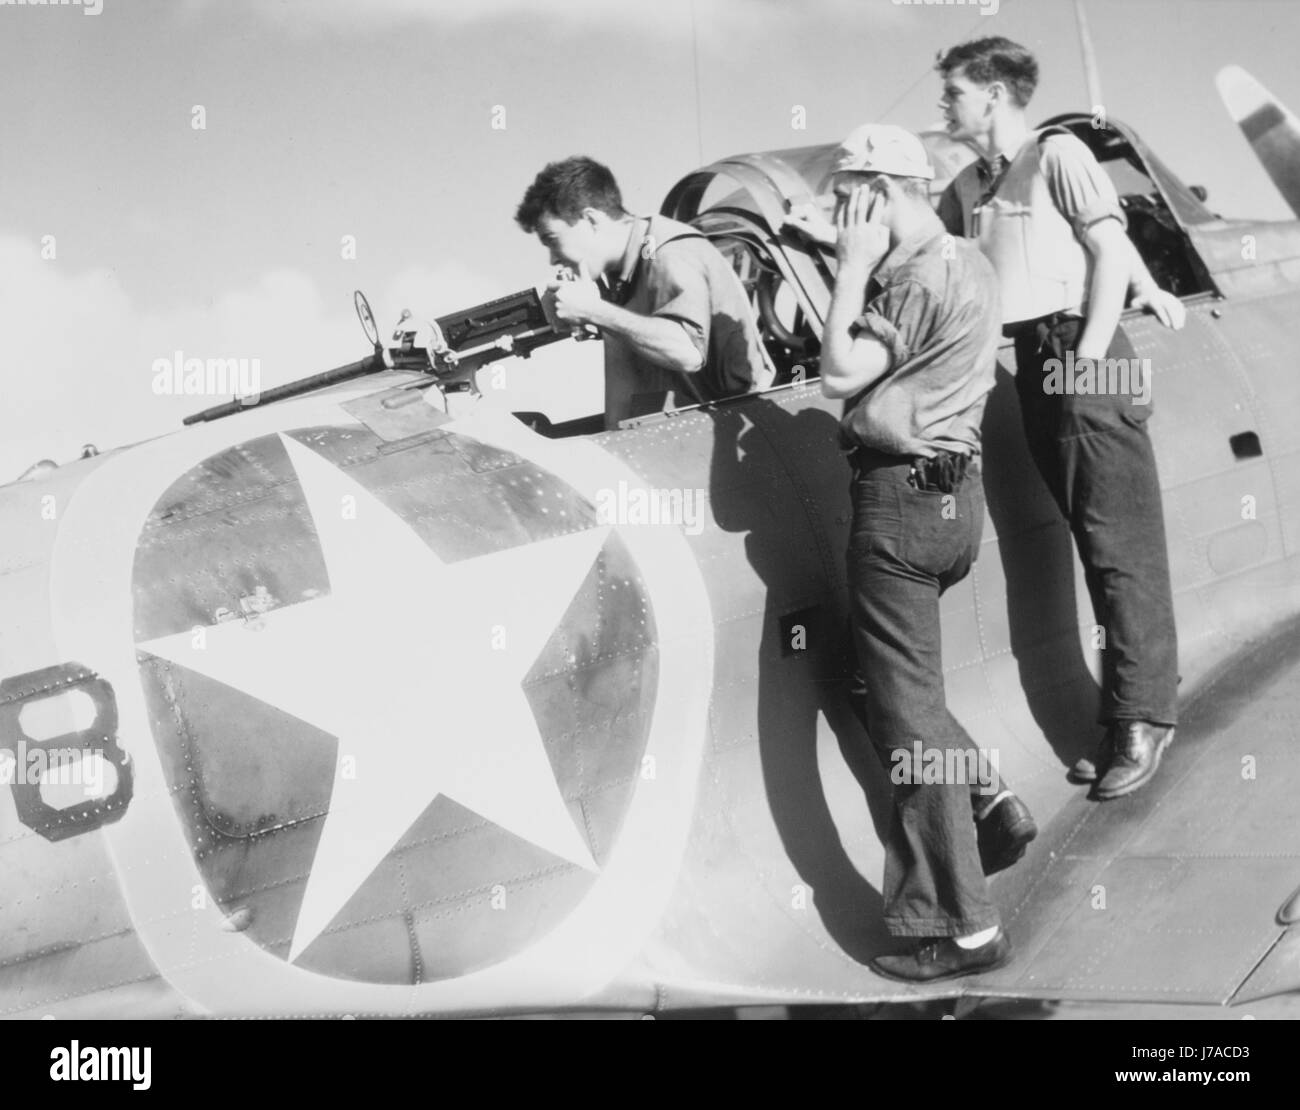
{"x": 1095, "y": 455}
{"x": 906, "y": 548}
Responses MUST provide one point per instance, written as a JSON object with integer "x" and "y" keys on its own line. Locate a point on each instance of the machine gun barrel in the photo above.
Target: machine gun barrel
{"x": 369, "y": 365}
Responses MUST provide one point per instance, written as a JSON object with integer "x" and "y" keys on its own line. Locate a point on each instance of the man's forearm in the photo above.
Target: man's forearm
{"x": 848, "y": 364}
{"x": 657, "y": 339}
{"x": 837, "y": 342}
{"x": 1110, "y": 281}
{"x": 1148, "y": 296}
{"x": 1140, "y": 279}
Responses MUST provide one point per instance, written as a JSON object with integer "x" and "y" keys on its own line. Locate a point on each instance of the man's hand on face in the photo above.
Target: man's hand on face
{"x": 573, "y": 302}
{"x": 861, "y": 239}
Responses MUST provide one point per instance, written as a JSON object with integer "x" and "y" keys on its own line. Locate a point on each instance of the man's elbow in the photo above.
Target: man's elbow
{"x": 845, "y": 376}
{"x": 687, "y": 351}
{"x": 834, "y": 387}
{"x": 689, "y": 362}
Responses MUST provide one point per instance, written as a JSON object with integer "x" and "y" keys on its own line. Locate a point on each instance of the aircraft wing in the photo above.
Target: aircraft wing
{"x": 1188, "y": 891}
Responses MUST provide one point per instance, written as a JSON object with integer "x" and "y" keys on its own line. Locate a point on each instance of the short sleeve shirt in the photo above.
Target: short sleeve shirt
{"x": 673, "y": 272}
{"x": 933, "y": 302}
{"x": 1081, "y": 190}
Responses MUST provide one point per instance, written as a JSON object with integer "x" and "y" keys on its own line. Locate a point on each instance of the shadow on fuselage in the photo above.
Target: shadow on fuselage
{"x": 1035, "y": 550}
{"x": 745, "y": 448}
{"x": 1037, "y": 555}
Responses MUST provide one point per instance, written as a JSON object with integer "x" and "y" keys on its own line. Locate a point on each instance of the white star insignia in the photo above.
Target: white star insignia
{"x": 415, "y": 665}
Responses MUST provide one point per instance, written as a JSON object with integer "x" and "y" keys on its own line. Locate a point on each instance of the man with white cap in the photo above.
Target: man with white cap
{"x": 910, "y": 345}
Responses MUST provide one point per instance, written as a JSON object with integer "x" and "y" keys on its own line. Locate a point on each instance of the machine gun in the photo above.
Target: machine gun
{"x": 450, "y": 349}
{"x": 455, "y": 346}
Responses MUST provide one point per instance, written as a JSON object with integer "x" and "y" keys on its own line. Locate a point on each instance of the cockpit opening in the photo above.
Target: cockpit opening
{"x": 1158, "y": 206}
{"x": 789, "y": 342}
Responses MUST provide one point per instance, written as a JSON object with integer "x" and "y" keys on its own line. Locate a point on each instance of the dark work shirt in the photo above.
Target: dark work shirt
{"x": 933, "y": 301}
{"x": 671, "y": 271}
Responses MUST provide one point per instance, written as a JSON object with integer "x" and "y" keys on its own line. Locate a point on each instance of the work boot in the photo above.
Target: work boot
{"x": 1091, "y": 768}
{"x": 1004, "y": 833}
{"x": 1138, "y": 748}
{"x": 943, "y": 958}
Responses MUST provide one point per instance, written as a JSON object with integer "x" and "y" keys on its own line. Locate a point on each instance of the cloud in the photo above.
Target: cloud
{"x": 383, "y": 15}
{"x": 77, "y": 356}
{"x": 667, "y": 17}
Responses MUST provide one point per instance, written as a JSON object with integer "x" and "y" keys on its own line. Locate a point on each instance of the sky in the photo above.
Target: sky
{"x": 412, "y": 127}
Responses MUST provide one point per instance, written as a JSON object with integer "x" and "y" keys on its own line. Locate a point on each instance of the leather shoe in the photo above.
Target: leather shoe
{"x": 1138, "y": 748}
{"x": 1088, "y": 769}
{"x": 1004, "y": 833}
{"x": 943, "y": 958}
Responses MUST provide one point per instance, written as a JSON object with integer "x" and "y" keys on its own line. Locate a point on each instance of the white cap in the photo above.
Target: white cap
{"x": 884, "y": 148}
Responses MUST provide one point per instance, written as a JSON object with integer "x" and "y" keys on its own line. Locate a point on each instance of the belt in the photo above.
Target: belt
{"x": 943, "y": 473}
{"x": 1029, "y": 327}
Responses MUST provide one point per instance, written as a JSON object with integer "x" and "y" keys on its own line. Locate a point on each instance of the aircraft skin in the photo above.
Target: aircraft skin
{"x": 407, "y": 713}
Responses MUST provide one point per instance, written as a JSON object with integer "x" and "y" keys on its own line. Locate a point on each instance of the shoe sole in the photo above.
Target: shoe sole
{"x": 1137, "y": 784}
{"x": 1001, "y": 962}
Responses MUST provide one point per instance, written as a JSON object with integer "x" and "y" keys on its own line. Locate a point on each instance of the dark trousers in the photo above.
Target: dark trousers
{"x": 906, "y": 548}
{"x": 1095, "y": 454}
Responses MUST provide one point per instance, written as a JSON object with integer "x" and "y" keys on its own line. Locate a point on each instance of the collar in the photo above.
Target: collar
{"x": 636, "y": 236}
{"x": 906, "y": 249}
{"x": 992, "y": 167}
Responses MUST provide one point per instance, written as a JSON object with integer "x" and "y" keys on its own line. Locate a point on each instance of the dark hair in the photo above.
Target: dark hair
{"x": 564, "y": 189}
{"x": 984, "y": 61}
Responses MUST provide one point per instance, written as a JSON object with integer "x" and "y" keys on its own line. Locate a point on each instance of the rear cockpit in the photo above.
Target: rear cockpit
{"x": 740, "y": 203}
{"x": 1159, "y": 207}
